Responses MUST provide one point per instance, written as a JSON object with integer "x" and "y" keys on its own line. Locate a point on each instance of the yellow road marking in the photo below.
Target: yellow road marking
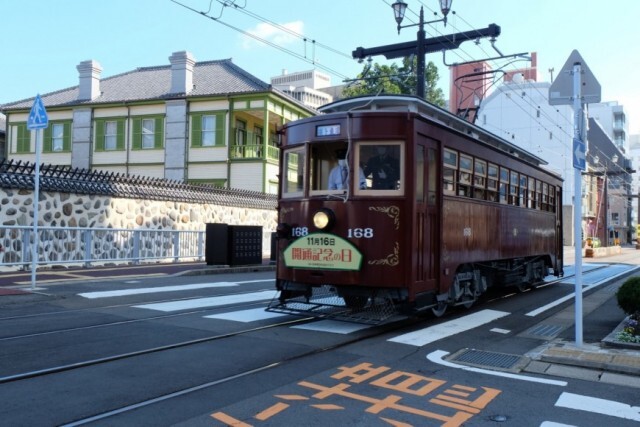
{"x": 230, "y": 421}
{"x": 270, "y": 412}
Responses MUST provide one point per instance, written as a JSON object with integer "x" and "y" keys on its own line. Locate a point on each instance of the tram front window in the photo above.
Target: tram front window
{"x": 294, "y": 173}
{"x": 382, "y": 165}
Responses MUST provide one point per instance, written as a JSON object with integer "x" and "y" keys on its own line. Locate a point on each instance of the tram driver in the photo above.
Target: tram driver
{"x": 383, "y": 168}
{"x": 339, "y": 175}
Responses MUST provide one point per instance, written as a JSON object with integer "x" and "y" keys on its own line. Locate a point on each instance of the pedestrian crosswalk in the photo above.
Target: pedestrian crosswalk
{"x": 259, "y": 314}
{"x": 237, "y": 296}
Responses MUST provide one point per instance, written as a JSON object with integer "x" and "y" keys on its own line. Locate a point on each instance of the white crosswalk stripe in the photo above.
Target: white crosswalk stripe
{"x": 446, "y": 329}
{"x": 209, "y": 301}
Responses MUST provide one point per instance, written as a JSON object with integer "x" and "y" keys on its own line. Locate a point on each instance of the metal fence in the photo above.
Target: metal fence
{"x": 86, "y": 247}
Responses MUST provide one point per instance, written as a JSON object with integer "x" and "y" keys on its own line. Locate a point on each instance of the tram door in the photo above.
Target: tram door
{"x": 427, "y": 236}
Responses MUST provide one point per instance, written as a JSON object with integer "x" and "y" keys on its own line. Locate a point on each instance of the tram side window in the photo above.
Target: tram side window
{"x": 450, "y": 162}
{"x": 513, "y": 189}
{"x": 523, "y": 191}
{"x": 545, "y": 197}
{"x": 464, "y": 177}
{"x": 294, "y": 172}
{"x": 492, "y": 183}
{"x": 531, "y": 203}
{"x": 539, "y": 194}
{"x": 431, "y": 175}
{"x": 419, "y": 174}
{"x": 504, "y": 185}
{"x": 479, "y": 178}
{"x": 552, "y": 199}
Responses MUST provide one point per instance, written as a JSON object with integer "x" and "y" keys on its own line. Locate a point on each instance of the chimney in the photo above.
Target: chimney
{"x": 89, "y": 87}
{"x": 181, "y": 72}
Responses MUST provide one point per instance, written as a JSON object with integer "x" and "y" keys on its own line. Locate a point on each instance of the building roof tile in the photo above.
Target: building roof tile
{"x": 210, "y": 78}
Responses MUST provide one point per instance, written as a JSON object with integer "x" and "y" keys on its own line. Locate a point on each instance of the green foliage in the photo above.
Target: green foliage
{"x": 395, "y": 79}
{"x": 628, "y": 295}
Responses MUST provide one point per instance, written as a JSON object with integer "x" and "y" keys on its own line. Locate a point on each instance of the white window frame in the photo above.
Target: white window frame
{"x": 208, "y": 133}
{"x": 110, "y": 135}
{"x": 148, "y": 133}
{"x": 57, "y": 137}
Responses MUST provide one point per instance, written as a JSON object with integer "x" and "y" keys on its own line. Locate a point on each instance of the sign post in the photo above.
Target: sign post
{"x": 37, "y": 121}
{"x": 576, "y": 85}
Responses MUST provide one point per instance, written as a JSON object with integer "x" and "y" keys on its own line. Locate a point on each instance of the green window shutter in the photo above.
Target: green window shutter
{"x": 47, "y": 143}
{"x": 99, "y": 143}
{"x": 196, "y": 130}
{"x": 120, "y": 134}
{"x": 136, "y": 137}
{"x": 219, "y": 129}
{"x": 23, "y": 143}
{"x": 66, "y": 138}
{"x": 159, "y": 136}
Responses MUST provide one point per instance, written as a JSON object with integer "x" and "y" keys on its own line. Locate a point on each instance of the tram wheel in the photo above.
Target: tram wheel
{"x": 439, "y": 309}
{"x": 523, "y": 286}
{"x": 468, "y": 303}
{"x": 355, "y": 301}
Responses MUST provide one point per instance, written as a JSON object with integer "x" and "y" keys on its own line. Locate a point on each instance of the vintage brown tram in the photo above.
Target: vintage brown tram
{"x": 388, "y": 203}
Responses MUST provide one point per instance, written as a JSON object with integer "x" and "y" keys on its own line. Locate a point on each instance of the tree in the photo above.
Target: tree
{"x": 394, "y": 79}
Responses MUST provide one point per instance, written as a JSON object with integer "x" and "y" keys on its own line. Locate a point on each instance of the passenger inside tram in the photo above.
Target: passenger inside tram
{"x": 383, "y": 169}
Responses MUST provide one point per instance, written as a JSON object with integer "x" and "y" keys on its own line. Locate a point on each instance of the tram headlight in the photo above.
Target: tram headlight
{"x": 324, "y": 219}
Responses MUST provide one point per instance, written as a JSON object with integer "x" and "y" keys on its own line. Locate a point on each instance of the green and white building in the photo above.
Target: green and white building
{"x": 198, "y": 122}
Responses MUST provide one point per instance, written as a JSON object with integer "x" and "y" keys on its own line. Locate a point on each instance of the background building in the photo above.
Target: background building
{"x": 3, "y": 127}
{"x": 518, "y": 110}
{"x": 200, "y": 122}
{"x": 305, "y": 86}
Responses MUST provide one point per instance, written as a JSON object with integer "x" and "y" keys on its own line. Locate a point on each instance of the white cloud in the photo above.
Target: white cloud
{"x": 272, "y": 34}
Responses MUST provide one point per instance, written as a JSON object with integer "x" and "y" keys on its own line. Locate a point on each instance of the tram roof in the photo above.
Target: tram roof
{"x": 413, "y": 104}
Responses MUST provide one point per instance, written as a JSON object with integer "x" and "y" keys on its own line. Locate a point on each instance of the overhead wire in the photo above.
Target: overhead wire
{"x": 521, "y": 86}
{"x": 265, "y": 41}
{"x": 283, "y": 28}
{"x": 467, "y": 56}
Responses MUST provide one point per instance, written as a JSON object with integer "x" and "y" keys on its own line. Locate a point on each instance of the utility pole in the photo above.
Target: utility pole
{"x": 576, "y": 86}
{"x": 424, "y": 45}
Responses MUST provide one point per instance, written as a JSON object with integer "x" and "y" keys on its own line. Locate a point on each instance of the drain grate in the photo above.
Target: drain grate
{"x": 487, "y": 358}
{"x": 544, "y": 331}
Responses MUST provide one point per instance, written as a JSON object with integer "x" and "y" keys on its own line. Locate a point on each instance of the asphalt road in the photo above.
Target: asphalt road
{"x": 201, "y": 351}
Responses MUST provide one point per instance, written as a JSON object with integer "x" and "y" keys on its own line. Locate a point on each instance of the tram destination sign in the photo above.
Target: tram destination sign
{"x": 322, "y": 251}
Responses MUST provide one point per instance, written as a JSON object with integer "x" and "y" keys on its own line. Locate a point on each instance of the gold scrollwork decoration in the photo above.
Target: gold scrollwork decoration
{"x": 391, "y": 211}
{"x": 284, "y": 211}
{"x": 391, "y": 259}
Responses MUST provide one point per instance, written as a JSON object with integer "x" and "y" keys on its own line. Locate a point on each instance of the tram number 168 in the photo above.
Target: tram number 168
{"x": 359, "y": 233}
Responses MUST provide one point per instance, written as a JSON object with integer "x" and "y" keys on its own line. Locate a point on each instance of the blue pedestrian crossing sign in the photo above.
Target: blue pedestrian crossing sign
{"x": 579, "y": 154}
{"x": 38, "y": 118}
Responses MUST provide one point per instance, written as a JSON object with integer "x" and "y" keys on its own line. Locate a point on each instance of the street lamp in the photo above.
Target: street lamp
{"x": 399, "y": 8}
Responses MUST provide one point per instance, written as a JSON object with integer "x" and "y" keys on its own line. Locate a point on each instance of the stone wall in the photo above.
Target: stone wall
{"x": 59, "y": 209}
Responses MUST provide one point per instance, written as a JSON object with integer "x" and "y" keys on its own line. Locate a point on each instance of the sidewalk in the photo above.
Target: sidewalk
{"x": 600, "y": 357}
{"x": 15, "y": 282}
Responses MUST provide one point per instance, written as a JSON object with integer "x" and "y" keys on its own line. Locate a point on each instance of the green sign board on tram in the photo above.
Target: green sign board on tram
{"x": 322, "y": 251}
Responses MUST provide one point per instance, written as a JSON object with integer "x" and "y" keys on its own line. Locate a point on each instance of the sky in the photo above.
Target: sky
{"x": 44, "y": 40}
